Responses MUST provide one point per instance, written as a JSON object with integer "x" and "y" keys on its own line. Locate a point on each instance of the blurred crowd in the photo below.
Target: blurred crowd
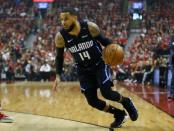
{"x": 149, "y": 51}
{"x": 21, "y": 18}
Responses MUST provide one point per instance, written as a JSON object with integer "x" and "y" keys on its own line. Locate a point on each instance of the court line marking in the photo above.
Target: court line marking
{"x": 150, "y": 93}
{"x": 101, "y": 126}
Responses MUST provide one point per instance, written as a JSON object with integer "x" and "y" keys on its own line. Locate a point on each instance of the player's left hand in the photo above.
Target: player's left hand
{"x": 56, "y": 84}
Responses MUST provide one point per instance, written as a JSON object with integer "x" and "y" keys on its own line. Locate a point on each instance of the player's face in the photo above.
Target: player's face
{"x": 67, "y": 20}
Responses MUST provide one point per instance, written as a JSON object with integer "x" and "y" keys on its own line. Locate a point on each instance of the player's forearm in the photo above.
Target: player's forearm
{"x": 103, "y": 40}
{"x": 59, "y": 61}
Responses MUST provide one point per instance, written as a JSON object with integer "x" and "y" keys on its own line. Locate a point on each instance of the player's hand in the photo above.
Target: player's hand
{"x": 56, "y": 83}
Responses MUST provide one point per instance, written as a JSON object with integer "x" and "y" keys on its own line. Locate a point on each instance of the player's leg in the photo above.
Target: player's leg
{"x": 171, "y": 87}
{"x": 144, "y": 78}
{"x": 88, "y": 87}
{"x": 4, "y": 118}
{"x": 105, "y": 82}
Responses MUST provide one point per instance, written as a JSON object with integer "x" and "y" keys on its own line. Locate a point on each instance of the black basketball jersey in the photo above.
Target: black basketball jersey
{"x": 84, "y": 48}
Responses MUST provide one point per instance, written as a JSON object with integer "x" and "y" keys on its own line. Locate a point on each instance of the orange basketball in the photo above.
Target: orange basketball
{"x": 113, "y": 54}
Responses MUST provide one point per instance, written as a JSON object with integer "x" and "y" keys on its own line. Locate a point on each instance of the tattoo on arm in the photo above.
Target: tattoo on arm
{"x": 59, "y": 41}
{"x": 93, "y": 29}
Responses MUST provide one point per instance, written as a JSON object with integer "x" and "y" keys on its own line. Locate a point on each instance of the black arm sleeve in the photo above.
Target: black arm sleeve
{"x": 59, "y": 60}
{"x": 103, "y": 40}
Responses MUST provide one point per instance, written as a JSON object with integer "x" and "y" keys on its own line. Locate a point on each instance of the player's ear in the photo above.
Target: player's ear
{"x": 73, "y": 17}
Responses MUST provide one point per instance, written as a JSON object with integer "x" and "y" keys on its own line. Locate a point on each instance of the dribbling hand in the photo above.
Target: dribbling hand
{"x": 56, "y": 83}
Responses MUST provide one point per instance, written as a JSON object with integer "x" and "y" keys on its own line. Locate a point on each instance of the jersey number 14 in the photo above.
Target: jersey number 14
{"x": 84, "y": 55}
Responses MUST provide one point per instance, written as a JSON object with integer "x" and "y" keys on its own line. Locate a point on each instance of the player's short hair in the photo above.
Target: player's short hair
{"x": 72, "y": 11}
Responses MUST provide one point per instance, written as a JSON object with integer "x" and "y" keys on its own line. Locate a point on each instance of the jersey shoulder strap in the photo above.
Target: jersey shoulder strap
{"x": 84, "y": 26}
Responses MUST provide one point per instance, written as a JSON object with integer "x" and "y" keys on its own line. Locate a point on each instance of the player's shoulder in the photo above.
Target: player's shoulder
{"x": 92, "y": 25}
{"x": 93, "y": 28}
{"x": 59, "y": 35}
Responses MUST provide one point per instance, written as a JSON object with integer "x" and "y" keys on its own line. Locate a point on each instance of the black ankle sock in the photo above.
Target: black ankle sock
{"x": 123, "y": 99}
{"x": 113, "y": 110}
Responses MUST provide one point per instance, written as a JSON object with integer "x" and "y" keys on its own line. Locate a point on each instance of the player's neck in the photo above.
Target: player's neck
{"x": 76, "y": 30}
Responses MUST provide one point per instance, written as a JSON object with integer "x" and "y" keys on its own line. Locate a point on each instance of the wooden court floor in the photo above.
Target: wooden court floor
{"x": 29, "y": 122}
{"x": 37, "y": 100}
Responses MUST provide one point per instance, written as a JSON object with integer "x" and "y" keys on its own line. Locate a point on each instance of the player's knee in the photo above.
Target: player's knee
{"x": 96, "y": 103}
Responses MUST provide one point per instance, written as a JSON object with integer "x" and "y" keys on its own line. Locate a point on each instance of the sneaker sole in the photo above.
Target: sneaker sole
{"x": 6, "y": 121}
{"x": 125, "y": 119}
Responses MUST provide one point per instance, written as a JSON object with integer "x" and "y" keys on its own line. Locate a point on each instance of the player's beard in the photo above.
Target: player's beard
{"x": 71, "y": 27}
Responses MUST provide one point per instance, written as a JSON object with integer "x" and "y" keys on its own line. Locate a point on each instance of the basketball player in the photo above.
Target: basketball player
{"x": 171, "y": 87}
{"x": 83, "y": 41}
{"x": 4, "y": 118}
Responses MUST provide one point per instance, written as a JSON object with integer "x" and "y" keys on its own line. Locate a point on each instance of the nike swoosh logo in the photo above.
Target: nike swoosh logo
{"x": 84, "y": 36}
